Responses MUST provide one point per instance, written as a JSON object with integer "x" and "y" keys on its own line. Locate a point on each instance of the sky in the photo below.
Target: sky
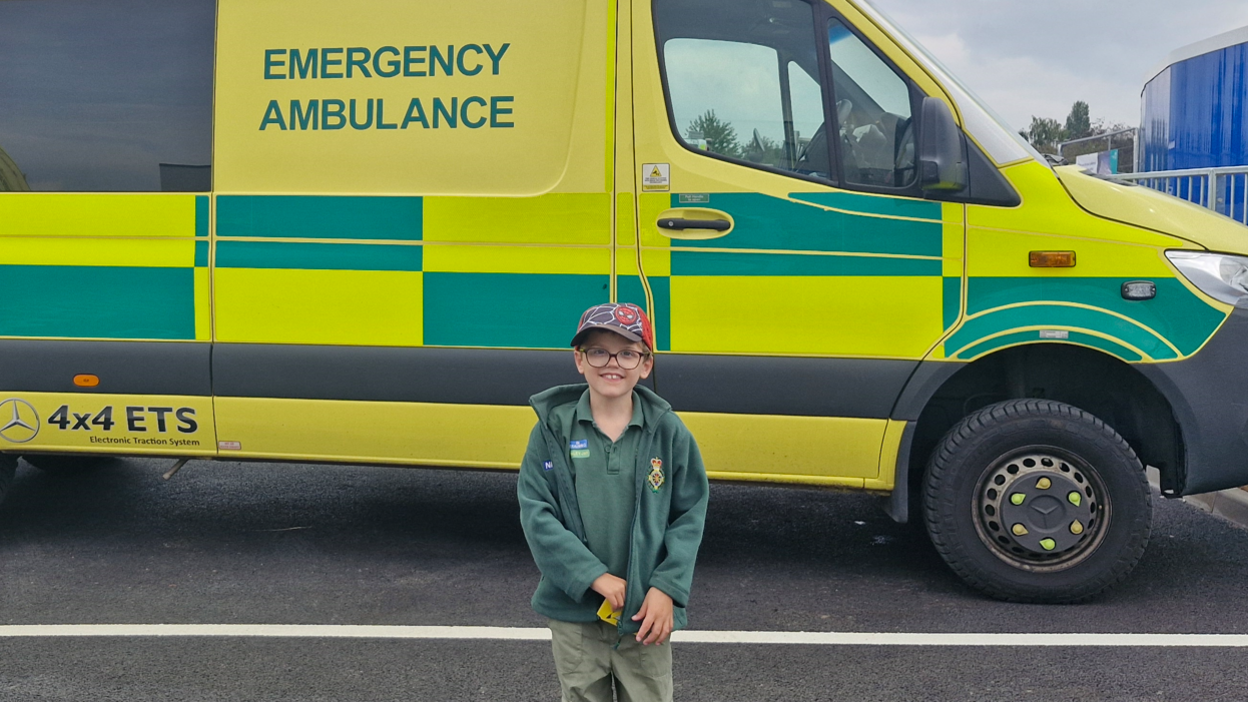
{"x": 1025, "y": 58}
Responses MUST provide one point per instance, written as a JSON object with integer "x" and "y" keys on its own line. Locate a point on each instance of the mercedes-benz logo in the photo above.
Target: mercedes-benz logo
{"x": 1047, "y": 509}
{"x": 19, "y": 422}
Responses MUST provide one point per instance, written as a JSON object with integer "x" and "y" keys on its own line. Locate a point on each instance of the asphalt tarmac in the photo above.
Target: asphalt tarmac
{"x": 229, "y": 543}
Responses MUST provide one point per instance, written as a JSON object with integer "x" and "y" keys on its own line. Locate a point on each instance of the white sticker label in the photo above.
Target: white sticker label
{"x": 230, "y": 445}
{"x": 1054, "y": 334}
{"x": 656, "y": 177}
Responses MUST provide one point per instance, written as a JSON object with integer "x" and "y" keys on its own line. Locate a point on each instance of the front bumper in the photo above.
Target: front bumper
{"x": 1209, "y": 396}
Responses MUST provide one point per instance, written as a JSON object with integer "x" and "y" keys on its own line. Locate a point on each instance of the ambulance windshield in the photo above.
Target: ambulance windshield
{"x": 990, "y": 131}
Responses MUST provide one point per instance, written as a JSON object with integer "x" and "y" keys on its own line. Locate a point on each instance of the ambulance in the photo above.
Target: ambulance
{"x": 362, "y": 233}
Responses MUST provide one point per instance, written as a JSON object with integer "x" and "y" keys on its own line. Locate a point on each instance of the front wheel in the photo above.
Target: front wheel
{"x": 1037, "y": 501}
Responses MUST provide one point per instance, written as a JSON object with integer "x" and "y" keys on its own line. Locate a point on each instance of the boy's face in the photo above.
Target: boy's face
{"x": 612, "y": 381}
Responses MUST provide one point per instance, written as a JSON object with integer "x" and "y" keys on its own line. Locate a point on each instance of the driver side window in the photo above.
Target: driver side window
{"x": 873, "y": 112}
{"x": 742, "y": 92}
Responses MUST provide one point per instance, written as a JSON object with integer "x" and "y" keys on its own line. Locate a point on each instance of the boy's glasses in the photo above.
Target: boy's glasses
{"x": 599, "y": 358}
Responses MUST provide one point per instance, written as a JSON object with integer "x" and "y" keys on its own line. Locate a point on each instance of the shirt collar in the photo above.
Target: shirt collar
{"x": 584, "y": 413}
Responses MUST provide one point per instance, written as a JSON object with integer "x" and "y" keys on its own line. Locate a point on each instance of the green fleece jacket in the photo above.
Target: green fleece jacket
{"x": 667, "y": 522}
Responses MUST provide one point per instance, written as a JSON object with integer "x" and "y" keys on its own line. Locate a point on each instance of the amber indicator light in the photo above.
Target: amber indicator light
{"x": 86, "y": 380}
{"x": 1052, "y": 259}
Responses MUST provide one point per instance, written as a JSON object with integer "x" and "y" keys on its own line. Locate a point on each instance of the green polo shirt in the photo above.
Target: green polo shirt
{"x": 606, "y": 482}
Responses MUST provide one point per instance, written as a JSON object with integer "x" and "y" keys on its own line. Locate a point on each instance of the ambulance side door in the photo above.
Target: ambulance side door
{"x": 798, "y": 273}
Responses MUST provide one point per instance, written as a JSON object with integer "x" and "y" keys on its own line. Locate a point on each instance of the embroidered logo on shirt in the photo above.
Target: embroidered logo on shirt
{"x": 580, "y": 448}
{"x": 548, "y": 465}
{"x": 655, "y": 479}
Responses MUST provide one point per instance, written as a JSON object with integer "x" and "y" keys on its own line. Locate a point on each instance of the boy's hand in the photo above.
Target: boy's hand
{"x": 656, "y": 616}
{"x": 612, "y": 588}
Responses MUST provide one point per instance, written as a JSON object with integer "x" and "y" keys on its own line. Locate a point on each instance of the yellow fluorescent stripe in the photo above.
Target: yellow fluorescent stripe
{"x": 812, "y": 450}
{"x": 76, "y": 251}
{"x": 390, "y": 432}
{"x": 609, "y": 178}
{"x": 129, "y": 215}
{"x": 1048, "y": 207}
{"x": 821, "y": 481}
{"x": 107, "y": 423}
{"x": 890, "y": 453}
{"x": 1075, "y": 237}
{"x": 891, "y": 316}
{"x": 359, "y": 308}
{"x": 555, "y": 218}
{"x": 1005, "y": 254}
{"x": 625, "y": 224}
{"x": 1080, "y": 305}
{"x": 650, "y": 206}
{"x": 953, "y": 239}
{"x": 655, "y": 262}
{"x": 517, "y": 259}
{"x": 1081, "y": 330}
{"x": 812, "y": 447}
{"x": 309, "y": 240}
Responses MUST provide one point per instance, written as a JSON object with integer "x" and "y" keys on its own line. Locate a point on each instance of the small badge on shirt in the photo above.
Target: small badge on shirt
{"x": 655, "y": 478}
{"x": 547, "y": 465}
{"x": 579, "y": 447}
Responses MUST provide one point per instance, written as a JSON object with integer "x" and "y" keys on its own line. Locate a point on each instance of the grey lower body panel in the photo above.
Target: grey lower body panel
{"x": 817, "y": 387}
{"x": 814, "y": 387}
{"x": 123, "y": 367}
{"x": 727, "y": 384}
{"x": 1209, "y": 396}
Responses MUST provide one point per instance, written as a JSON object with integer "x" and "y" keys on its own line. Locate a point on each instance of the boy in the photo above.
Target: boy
{"x": 612, "y": 499}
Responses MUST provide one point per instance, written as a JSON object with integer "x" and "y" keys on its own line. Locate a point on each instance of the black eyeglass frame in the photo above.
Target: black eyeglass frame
{"x": 641, "y": 356}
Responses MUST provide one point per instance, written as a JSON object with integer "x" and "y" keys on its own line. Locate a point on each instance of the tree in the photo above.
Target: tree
{"x": 1123, "y": 143}
{"x": 1079, "y": 121}
{"x": 11, "y": 177}
{"x": 720, "y": 136}
{"x": 1045, "y": 134}
{"x": 765, "y": 150}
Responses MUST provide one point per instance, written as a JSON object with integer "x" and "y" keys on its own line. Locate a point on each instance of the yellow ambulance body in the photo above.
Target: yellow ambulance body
{"x": 363, "y": 233}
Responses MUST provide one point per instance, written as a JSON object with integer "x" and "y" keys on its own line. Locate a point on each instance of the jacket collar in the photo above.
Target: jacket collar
{"x": 543, "y": 402}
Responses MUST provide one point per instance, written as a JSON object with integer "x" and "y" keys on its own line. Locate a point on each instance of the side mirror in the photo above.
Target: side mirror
{"x": 942, "y": 149}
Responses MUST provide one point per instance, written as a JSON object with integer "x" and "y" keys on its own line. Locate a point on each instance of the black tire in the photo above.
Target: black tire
{"x": 1037, "y": 501}
{"x": 66, "y": 464}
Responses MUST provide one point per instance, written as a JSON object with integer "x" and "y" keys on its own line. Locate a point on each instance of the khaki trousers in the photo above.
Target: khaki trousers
{"x": 590, "y": 664}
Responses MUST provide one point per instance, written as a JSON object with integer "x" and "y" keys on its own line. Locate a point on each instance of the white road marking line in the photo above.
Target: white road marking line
{"x": 498, "y": 633}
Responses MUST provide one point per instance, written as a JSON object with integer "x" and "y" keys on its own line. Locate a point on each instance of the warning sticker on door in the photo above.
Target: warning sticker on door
{"x": 656, "y": 177}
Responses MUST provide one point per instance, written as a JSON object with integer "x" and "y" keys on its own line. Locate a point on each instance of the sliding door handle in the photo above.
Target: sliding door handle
{"x": 718, "y": 225}
{"x": 694, "y": 223}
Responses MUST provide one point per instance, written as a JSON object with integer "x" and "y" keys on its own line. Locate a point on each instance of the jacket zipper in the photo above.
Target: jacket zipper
{"x": 632, "y": 529}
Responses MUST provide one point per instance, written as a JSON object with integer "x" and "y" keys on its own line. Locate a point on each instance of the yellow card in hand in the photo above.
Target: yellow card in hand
{"x": 608, "y": 615}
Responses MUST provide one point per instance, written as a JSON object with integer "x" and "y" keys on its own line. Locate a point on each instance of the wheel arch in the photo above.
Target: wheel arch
{"x": 940, "y": 394}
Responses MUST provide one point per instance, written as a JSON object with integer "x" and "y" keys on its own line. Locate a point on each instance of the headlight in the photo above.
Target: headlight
{"x": 1220, "y": 276}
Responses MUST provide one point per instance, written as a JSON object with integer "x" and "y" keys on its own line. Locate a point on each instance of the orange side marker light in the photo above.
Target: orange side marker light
{"x": 86, "y": 380}
{"x": 1051, "y": 259}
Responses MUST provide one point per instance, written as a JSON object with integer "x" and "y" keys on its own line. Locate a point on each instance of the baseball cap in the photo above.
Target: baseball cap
{"x": 623, "y": 318}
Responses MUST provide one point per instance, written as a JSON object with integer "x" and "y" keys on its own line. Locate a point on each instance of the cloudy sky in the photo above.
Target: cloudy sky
{"x": 1029, "y": 57}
